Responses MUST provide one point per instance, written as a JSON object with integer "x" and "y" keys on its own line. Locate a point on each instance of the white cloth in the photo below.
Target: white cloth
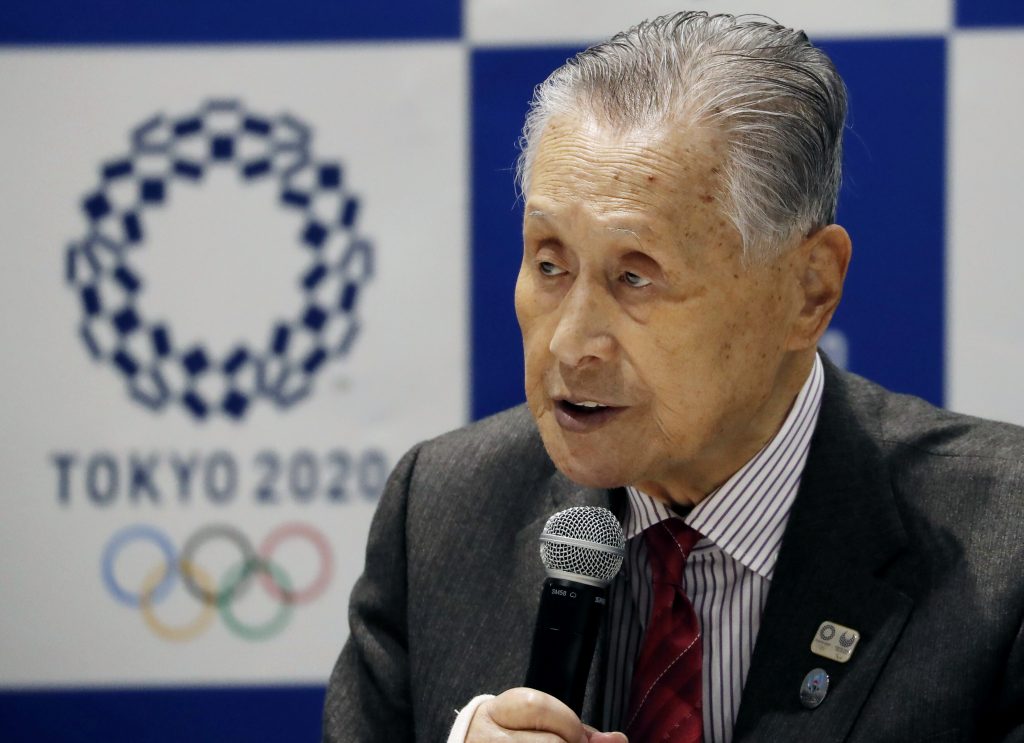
{"x": 461, "y": 727}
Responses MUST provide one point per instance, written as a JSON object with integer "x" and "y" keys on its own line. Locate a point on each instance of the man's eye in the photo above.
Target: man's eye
{"x": 635, "y": 280}
{"x": 549, "y": 269}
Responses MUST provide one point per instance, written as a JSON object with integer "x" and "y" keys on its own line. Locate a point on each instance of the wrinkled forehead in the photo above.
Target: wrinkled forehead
{"x": 664, "y": 179}
{"x": 578, "y": 154}
{"x": 663, "y": 186}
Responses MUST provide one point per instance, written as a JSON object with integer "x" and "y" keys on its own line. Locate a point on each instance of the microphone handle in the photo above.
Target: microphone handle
{"x": 564, "y": 638}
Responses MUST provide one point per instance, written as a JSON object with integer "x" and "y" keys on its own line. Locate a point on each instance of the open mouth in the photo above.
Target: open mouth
{"x": 584, "y": 415}
{"x": 585, "y": 406}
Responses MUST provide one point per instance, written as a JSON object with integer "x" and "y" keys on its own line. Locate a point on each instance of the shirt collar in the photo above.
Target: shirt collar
{"x": 746, "y": 515}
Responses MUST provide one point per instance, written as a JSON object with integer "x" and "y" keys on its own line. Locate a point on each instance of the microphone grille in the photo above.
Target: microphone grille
{"x": 583, "y": 543}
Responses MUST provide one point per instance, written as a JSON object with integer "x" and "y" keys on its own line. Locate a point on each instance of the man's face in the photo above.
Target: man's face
{"x": 633, "y": 295}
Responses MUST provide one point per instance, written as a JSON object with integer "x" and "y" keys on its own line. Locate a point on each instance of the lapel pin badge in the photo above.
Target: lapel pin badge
{"x": 835, "y": 642}
{"x": 814, "y": 688}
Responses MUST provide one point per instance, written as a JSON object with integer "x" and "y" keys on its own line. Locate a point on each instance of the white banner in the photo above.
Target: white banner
{"x": 234, "y": 294}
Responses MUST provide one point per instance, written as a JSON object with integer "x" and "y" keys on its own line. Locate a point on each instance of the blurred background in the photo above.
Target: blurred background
{"x": 253, "y": 251}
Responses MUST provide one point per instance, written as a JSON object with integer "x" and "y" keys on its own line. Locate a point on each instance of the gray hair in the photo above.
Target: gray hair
{"x": 777, "y": 99}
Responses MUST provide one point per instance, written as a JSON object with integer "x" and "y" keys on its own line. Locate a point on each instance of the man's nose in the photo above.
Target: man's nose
{"x": 583, "y": 332}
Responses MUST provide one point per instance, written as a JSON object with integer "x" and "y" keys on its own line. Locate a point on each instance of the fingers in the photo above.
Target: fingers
{"x": 526, "y": 715}
{"x": 529, "y": 709}
{"x": 531, "y": 716}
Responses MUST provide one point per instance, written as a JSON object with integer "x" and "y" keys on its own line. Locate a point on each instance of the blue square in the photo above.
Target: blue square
{"x": 222, "y": 148}
{"x": 314, "y": 235}
{"x": 893, "y": 205}
{"x": 990, "y": 13}
{"x": 219, "y": 22}
{"x": 126, "y": 321}
{"x": 502, "y": 85}
{"x": 153, "y": 190}
{"x": 195, "y": 361}
{"x": 330, "y": 176}
{"x": 314, "y": 318}
{"x": 235, "y": 404}
{"x": 96, "y": 206}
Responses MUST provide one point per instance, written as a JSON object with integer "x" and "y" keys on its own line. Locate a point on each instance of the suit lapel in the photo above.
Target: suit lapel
{"x": 842, "y": 533}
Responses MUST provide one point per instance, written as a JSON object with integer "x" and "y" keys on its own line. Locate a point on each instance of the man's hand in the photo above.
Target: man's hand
{"x": 532, "y": 716}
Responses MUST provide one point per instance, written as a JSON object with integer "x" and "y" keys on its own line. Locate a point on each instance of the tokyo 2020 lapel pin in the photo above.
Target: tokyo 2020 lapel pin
{"x": 835, "y": 642}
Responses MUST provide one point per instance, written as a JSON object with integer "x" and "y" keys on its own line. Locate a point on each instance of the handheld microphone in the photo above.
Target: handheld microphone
{"x": 582, "y": 550}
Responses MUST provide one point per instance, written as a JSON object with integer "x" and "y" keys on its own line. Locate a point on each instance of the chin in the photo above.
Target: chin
{"x": 590, "y": 471}
{"x": 594, "y": 479}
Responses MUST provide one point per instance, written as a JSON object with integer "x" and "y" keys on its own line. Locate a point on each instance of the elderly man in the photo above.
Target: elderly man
{"x": 809, "y": 557}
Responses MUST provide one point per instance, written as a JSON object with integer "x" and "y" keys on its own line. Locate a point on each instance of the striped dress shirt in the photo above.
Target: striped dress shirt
{"x": 727, "y": 575}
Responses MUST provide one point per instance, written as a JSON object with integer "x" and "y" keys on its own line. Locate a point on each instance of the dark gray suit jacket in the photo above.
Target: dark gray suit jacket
{"x": 908, "y": 526}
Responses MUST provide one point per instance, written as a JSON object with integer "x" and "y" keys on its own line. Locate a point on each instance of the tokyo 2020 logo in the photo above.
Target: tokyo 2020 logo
{"x": 216, "y": 594}
{"x": 161, "y": 369}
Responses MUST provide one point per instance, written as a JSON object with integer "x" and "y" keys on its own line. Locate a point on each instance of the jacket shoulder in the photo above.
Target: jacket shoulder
{"x": 491, "y": 471}
{"x": 498, "y": 446}
{"x": 906, "y": 421}
{"x": 957, "y": 473}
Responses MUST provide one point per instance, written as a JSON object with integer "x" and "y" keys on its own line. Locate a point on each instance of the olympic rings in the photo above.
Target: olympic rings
{"x": 188, "y": 554}
{"x": 212, "y": 595}
{"x": 188, "y": 631}
{"x": 277, "y": 622}
{"x": 318, "y": 585}
{"x": 131, "y": 534}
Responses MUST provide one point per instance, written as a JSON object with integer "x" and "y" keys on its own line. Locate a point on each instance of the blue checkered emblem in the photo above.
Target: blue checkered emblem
{"x": 159, "y": 370}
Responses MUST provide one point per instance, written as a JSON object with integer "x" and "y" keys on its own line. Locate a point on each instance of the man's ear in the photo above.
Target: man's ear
{"x": 823, "y": 259}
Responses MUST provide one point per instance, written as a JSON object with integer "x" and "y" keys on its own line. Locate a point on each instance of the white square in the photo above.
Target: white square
{"x": 578, "y": 22}
{"x": 220, "y": 261}
{"x": 985, "y": 340}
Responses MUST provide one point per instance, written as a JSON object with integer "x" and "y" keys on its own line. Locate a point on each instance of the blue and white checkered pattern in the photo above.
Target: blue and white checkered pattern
{"x": 931, "y": 188}
{"x": 156, "y": 369}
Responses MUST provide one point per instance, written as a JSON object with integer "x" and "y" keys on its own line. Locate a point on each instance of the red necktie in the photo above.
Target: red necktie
{"x": 665, "y": 700}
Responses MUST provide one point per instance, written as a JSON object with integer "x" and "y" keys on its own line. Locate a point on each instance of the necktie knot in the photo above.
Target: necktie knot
{"x": 669, "y": 543}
